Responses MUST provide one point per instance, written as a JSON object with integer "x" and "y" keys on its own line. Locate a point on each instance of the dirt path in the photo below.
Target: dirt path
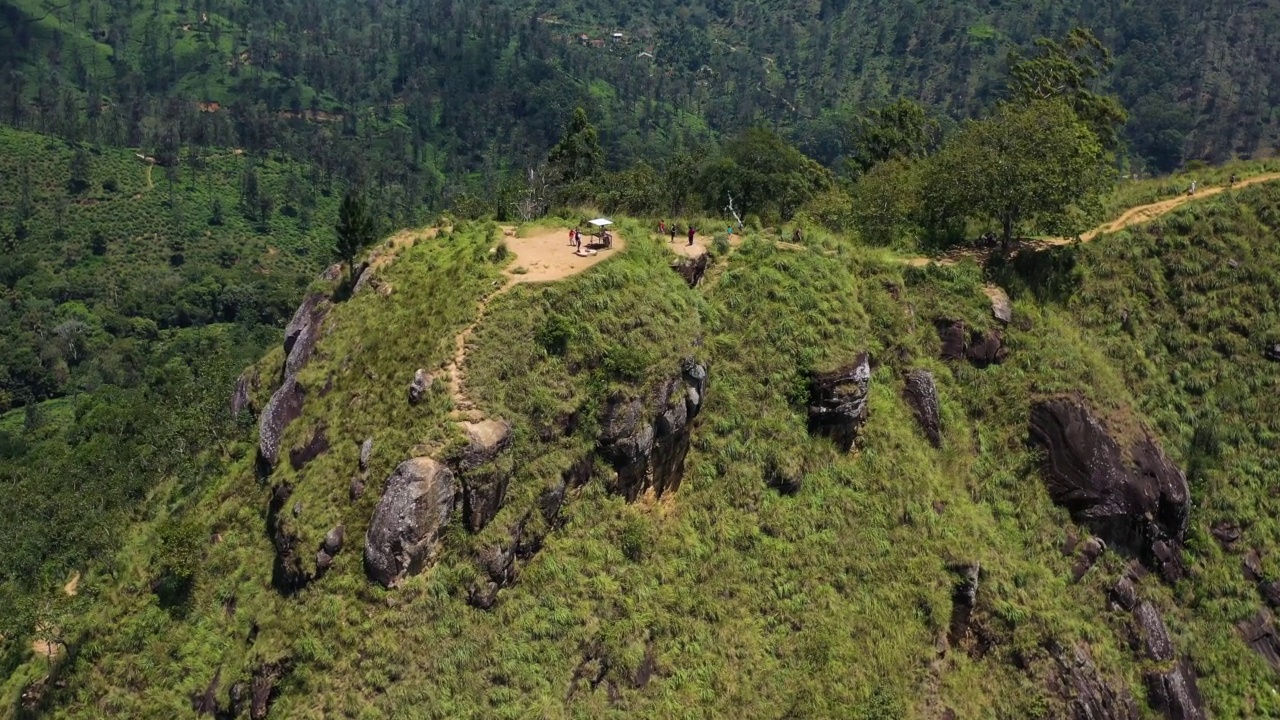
{"x": 1133, "y": 216}
{"x": 544, "y": 257}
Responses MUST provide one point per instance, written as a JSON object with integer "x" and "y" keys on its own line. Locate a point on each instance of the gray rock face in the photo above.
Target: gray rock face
{"x": 332, "y": 273}
{"x": 1272, "y": 352}
{"x": 838, "y": 402}
{"x": 420, "y": 386}
{"x": 288, "y": 573}
{"x": 1152, "y": 632}
{"x": 302, "y": 332}
{"x": 1135, "y": 498}
{"x": 1088, "y": 695}
{"x": 404, "y": 532}
{"x": 1259, "y": 633}
{"x": 366, "y": 452}
{"x": 284, "y": 407}
{"x": 334, "y": 539}
{"x": 1124, "y": 594}
{"x": 484, "y": 469}
{"x": 1001, "y": 307}
{"x": 648, "y": 449}
{"x": 356, "y": 490}
{"x": 922, "y": 395}
{"x": 1174, "y": 692}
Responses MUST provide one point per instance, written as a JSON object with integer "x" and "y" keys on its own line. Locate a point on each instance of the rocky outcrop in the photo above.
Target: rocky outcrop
{"x": 922, "y": 396}
{"x": 838, "y": 402}
{"x": 1259, "y": 633}
{"x": 1272, "y": 352}
{"x": 313, "y": 448}
{"x": 1227, "y": 533}
{"x": 1090, "y": 550}
{"x": 329, "y": 548}
{"x": 404, "y": 532}
{"x": 498, "y": 563}
{"x": 284, "y": 407}
{"x": 1174, "y": 692}
{"x": 484, "y": 468}
{"x": 692, "y": 269}
{"x": 289, "y": 573}
{"x": 961, "y": 343}
{"x": 420, "y": 386}
{"x": 648, "y": 450}
{"x": 1001, "y": 307}
{"x": 366, "y": 453}
{"x": 1124, "y": 594}
{"x": 1152, "y": 633}
{"x": 265, "y": 686}
{"x": 302, "y": 332}
{"x": 1087, "y": 694}
{"x": 1133, "y": 497}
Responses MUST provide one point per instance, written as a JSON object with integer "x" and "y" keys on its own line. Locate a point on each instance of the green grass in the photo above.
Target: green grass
{"x": 827, "y": 603}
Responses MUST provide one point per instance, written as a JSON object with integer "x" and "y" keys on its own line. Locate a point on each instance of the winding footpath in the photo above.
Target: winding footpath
{"x": 1133, "y": 216}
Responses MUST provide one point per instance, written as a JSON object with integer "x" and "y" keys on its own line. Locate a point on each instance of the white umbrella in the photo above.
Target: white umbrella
{"x": 601, "y": 222}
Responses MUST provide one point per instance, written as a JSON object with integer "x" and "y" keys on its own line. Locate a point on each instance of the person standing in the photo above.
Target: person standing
{"x": 662, "y": 227}
{"x": 573, "y": 235}
{"x": 577, "y": 241}
{"x": 673, "y": 232}
{"x": 692, "y": 230}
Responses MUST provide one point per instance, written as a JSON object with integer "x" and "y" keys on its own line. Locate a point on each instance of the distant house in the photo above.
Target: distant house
{"x": 645, "y": 54}
{"x": 617, "y": 37}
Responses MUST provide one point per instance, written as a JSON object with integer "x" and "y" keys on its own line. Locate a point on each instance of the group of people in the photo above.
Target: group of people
{"x": 575, "y": 239}
{"x": 663, "y": 230}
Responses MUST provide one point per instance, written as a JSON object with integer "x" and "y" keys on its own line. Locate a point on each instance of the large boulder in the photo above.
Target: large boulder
{"x": 266, "y": 680}
{"x": 1174, "y": 692}
{"x": 366, "y": 452}
{"x": 404, "y": 532}
{"x": 1001, "y": 307}
{"x": 961, "y": 343}
{"x": 646, "y": 443}
{"x": 838, "y": 402}
{"x": 302, "y": 332}
{"x": 1134, "y": 497}
{"x": 922, "y": 395}
{"x": 484, "y": 468}
{"x": 1087, "y": 694}
{"x": 1272, "y": 352}
{"x": 284, "y": 407}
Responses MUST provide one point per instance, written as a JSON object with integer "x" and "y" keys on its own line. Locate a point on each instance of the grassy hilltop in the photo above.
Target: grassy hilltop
{"x": 833, "y": 597}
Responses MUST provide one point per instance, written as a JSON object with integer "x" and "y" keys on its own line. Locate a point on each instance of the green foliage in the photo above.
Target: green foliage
{"x": 886, "y": 201}
{"x": 179, "y": 546}
{"x": 763, "y": 175}
{"x": 355, "y": 229}
{"x": 1031, "y": 162}
{"x": 577, "y": 160}
{"x": 1070, "y": 71}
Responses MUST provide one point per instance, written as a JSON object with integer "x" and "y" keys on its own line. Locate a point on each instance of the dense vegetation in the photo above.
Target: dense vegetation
{"x": 175, "y": 175}
{"x": 824, "y": 601}
{"x": 407, "y": 93}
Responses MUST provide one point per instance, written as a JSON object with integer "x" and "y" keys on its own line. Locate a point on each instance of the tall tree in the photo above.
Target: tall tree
{"x": 79, "y": 180}
{"x": 356, "y": 229}
{"x": 576, "y": 161}
{"x": 1026, "y": 161}
{"x": 1071, "y": 70}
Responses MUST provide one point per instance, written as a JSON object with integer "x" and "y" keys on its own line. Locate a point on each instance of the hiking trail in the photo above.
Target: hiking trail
{"x": 1133, "y": 216}
{"x": 544, "y": 257}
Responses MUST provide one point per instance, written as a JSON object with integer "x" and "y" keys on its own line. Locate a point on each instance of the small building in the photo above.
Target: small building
{"x": 617, "y": 37}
